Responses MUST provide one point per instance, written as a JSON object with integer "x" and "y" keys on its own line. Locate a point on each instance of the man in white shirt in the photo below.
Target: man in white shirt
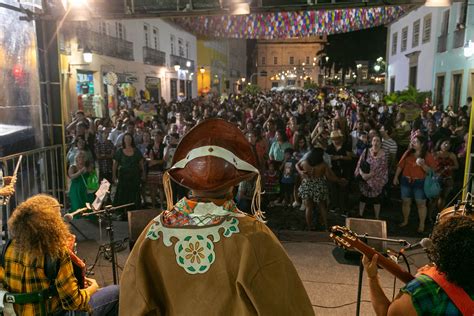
{"x": 114, "y": 134}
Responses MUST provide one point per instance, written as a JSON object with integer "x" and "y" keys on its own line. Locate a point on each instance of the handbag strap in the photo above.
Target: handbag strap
{"x": 458, "y": 296}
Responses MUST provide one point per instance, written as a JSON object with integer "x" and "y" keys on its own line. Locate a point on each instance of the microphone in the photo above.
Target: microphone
{"x": 424, "y": 243}
{"x": 70, "y": 216}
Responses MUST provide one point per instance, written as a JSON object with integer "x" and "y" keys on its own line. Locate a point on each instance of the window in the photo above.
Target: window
{"x": 103, "y": 28}
{"x": 156, "y": 43}
{"x": 263, "y": 60}
{"x": 292, "y": 60}
{"x": 172, "y": 42}
{"x": 147, "y": 39}
{"x": 462, "y": 13}
{"x": 365, "y": 74}
{"x": 426, "y": 29}
{"x": 445, "y": 25}
{"x": 181, "y": 47}
{"x": 439, "y": 93}
{"x": 307, "y": 60}
{"x": 120, "y": 30}
{"x": 174, "y": 89}
{"x": 403, "y": 46}
{"x": 275, "y": 60}
{"x": 394, "y": 43}
{"x": 416, "y": 34}
{"x": 456, "y": 91}
{"x": 412, "y": 76}
{"x": 392, "y": 84}
{"x": 187, "y": 49}
{"x": 182, "y": 87}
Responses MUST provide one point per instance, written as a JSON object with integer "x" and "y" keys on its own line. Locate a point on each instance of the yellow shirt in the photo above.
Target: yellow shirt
{"x": 23, "y": 273}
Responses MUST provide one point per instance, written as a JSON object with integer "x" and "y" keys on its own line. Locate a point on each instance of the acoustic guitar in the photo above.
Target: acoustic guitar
{"x": 345, "y": 238}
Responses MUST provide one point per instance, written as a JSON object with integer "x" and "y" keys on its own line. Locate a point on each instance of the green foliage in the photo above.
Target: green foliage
{"x": 310, "y": 85}
{"x": 409, "y": 95}
{"x": 252, "y": 89}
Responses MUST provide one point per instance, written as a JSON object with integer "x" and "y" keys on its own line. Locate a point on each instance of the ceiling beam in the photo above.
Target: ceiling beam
{"x": 143, "y": 12}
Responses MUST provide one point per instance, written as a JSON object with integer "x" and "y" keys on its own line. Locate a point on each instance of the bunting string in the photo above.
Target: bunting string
{"x": 283, "y": 25}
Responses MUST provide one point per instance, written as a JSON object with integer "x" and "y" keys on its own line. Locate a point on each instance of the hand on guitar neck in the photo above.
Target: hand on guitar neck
{"x": 345, "y": 238}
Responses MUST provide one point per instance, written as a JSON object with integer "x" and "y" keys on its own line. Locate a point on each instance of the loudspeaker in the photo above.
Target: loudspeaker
{"x": 137, "y": 221}
{"x": 371, "y": 227}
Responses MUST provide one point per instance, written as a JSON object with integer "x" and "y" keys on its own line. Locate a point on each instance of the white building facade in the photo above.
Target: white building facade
{"x": 150, "y": 59}
{"x": 411, "y": 48}
{"x": 426, "y": 49}
{"x": 453, "y": 70}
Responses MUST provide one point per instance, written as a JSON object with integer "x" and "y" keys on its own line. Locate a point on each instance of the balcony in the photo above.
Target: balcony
{"x": 458, "y": 39}
{"x": 154, "y": 57}
{"x": 442, "y": 43}
{"x": 181, "y": 61}
{"x": 103, "y": 44}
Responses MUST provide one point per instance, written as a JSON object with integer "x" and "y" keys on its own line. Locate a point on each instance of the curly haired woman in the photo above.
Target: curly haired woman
{"x": 39, "y": 232}
{"x": 452, "y": 253}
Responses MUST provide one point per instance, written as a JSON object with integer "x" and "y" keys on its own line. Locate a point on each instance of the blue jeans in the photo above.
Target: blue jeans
{"x": 412, "y": 188}
{"x": 105, "y": 301}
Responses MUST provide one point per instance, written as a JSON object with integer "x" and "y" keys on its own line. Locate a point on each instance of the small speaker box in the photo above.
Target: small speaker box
{"x": 371, "y": 227}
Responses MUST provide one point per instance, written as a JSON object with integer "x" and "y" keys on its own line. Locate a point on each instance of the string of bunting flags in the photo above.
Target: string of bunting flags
{"x": 280, "y": 25}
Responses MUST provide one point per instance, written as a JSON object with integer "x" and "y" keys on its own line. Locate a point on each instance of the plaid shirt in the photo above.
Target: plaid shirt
{"x": 429, "y": 298}
{"x": 24, "y": 273}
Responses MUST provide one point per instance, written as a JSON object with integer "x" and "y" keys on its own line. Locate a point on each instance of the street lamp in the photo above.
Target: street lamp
{"x": 358, "y": 66}
{"x": 243, "y": 79}
{"x": 177, "y": 67}
{"x": 377, "y": 68}
{"x": 188, "y": 63}
{"x": 202, "y": 70}
{"x": 87, "y": 55}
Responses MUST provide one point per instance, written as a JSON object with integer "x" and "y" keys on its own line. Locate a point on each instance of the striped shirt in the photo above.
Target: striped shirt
{"x": 389, "y": 146}
{"x": 23, "y": 273}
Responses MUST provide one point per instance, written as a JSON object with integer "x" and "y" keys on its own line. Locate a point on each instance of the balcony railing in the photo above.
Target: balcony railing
{"x": 458, "y": 39}
{"x": 442, "y": 43}
{"x": 181, "y": 61}
{"x": 104, "y": 44}
{"x": 153, "y": 57}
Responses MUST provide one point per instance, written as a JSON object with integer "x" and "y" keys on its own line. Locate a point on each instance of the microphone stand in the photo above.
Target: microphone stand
{"x": 365, "y": 237}
{"x": 106, "y": 214}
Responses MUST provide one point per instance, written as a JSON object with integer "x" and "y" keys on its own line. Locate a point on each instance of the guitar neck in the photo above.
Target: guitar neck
{"x": 385, "y": 263}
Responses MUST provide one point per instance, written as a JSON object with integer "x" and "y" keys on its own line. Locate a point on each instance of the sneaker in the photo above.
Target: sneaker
{"x": 296, "y": 204}
{"x": 302, "y": 207}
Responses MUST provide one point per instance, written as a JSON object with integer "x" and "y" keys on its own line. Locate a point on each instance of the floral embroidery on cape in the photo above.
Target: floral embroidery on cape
{"x": 194, "y": 249}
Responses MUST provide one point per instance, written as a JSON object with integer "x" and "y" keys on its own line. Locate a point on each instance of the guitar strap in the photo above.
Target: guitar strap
{"x": 457, "y": 295}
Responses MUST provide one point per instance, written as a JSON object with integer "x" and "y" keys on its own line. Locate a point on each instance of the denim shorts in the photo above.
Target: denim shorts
{"x": 412, "y": 188}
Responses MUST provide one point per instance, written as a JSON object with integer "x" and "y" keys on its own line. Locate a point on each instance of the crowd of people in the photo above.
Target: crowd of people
{"x": 176, "y": 254}
{"x": 317, "y": 150}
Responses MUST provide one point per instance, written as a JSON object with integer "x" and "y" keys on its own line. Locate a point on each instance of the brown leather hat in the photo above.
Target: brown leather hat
{"x": 212, "y": 156}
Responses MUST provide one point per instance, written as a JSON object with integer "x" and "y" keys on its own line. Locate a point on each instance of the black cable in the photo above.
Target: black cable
{"x": 339, "y": 306}
{"x": 401, "y": 254}
{"x": 394, "y": 287}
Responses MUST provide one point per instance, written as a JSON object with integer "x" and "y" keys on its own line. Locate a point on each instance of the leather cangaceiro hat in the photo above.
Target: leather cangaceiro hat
{"x": 212, "y": 156}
